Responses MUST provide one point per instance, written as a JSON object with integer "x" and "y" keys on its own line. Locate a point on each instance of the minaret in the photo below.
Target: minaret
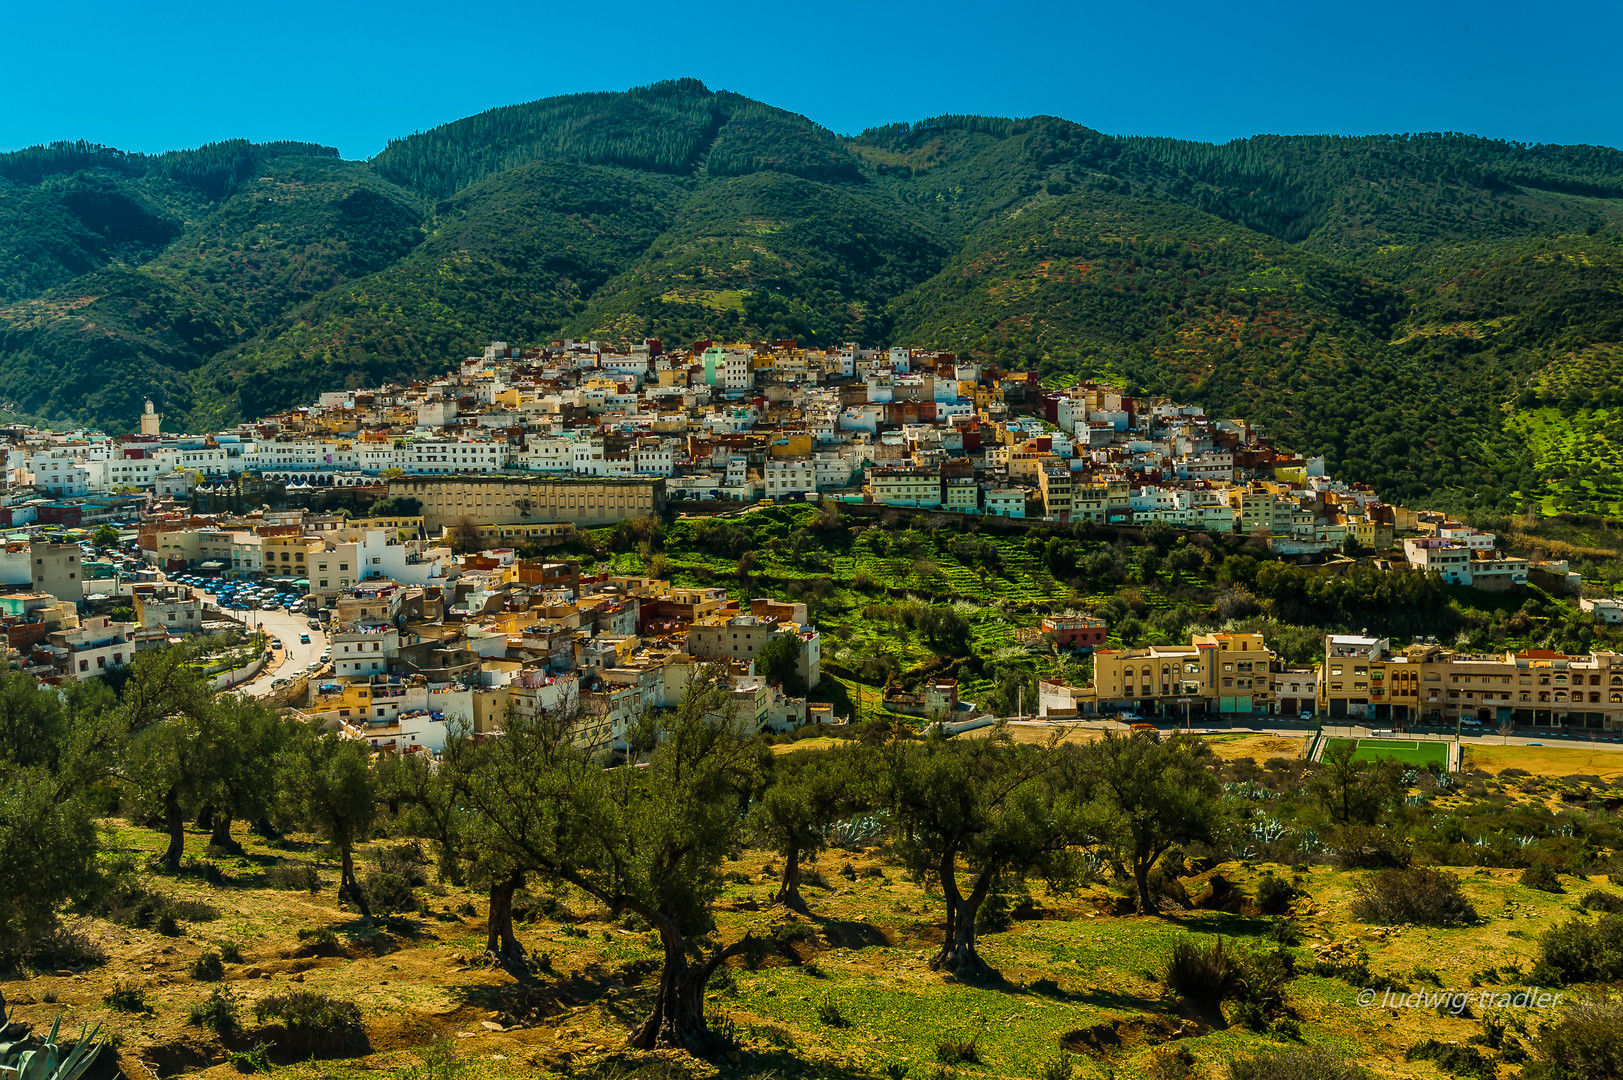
{"x": 150, "y": 420}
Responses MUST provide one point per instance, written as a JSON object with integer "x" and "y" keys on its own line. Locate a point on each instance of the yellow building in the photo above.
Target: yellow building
{"x": 502, "y": 500}
{"x": 1215, "y": 673}
{"x": 1361, "y": 679}
{"x": 290, "y": 555}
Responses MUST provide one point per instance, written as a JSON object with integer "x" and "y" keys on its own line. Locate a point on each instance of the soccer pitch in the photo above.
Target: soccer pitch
{"x": 1404, "y": 751}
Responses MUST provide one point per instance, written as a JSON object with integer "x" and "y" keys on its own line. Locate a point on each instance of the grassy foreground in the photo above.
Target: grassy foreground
{"x": 845, "y": 993}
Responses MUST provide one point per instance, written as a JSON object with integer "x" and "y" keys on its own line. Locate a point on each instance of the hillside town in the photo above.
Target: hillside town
{"x": 389, "y": 523}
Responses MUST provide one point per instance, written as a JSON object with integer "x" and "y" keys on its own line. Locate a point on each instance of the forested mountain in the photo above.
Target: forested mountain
{"x": 1438, "y": 313}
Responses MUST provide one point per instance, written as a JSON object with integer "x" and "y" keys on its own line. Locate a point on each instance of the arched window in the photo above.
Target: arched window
{"x": 1166, "y": 669}
{"x": 1560, "y": 695}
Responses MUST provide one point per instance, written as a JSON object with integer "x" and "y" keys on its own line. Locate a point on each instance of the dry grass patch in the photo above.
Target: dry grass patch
{"x": 1547, "y": 760}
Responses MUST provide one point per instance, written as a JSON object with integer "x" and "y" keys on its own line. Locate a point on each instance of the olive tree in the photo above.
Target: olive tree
{"x": 647, "y": 839}
{"x": 325, "y": 780}
{"x": 808, "y": 792}
{"x": 973, "y": 810}
{"x": 1141, "y": 796}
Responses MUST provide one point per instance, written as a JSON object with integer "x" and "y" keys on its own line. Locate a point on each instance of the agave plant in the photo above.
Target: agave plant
{"x": 25, "y": 1061}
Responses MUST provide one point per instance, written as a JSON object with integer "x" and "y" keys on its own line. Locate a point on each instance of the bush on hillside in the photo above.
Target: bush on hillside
{"x": 1542, "y": 876}
{"x": 1416, "y": 895}
{"x": 1578, "y": 952}
{"x": 293, "y": 875}
{"x": 1296, "y": 1063}
{"x": 1601, "y": 901}
{"x": 312, "y": 1020}
{"x": 1360, "y": 848}
{"x": 1584, "y": 1042}
{"x": 1274, "y": 895}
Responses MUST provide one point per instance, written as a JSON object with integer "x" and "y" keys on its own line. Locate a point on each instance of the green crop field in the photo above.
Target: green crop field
{"x": 1404, "y": 751}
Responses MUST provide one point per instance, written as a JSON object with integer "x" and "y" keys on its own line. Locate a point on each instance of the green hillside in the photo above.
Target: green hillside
{"x": 1436, "y": 313}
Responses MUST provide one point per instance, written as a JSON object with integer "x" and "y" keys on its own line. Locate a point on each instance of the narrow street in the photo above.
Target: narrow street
{"x": 288, "y": 661}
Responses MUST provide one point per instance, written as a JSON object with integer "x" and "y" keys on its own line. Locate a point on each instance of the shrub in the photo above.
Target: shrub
{"x": 206, "y": 869}
{"x": 405, "y": 861}
{"x": 1584, "y": 1042}
{"x": 1296, "y": 1063}
{"x": 1417, "y": 895}
{"x": 218, "y": 1011}
{"x": 828, "y": 1013}
{"x": 231, "y": 952}
{"x": 293, "y": 875}
{"x": 251, "y": 1060}
{"x": 208, "y": 967}
{"x": 1542, "y": 877}
{"x": 1060, "y": 1068}
{"x": 1596, "y": 900}
{"x": 1203, "y": 975}
{"x": 993, "y": 916}
{"x": 388, "y": 894}
{"x": 320, "y": 941}
{"x": 958, "y": 1051}
{"x": 1453, "y": 1058}
{"x": 1274, "y": 895}
{"x": 1172, "y": 1063}
{"x": 313, "y": 1019}
{"x": 1579, "y": 951}
{"x": 58, "y": 947}
{"x": 1361, "y": 848}
{"x": 126, "y": 998}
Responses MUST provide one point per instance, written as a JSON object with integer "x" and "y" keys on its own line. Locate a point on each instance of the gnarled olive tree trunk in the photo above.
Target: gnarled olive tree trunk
{"x": 677, "y": 1021}
{"x": 348, "y": 888}
{"x": 220, "y": 833}
{"x": 788, "y": 893}
{"x": 958, "y": 953}
{"x": 501, "y": 944}
{"x": 174, "y": 822}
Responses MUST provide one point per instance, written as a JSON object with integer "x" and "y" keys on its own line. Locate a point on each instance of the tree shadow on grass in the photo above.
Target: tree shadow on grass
{"x": 534, "y": 995}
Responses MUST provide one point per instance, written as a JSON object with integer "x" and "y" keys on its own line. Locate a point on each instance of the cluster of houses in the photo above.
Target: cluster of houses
{"x": 716, "y": 421}
{"x": 577, "y": 432}
{"x": 518, "y": 447}
{"x": 535, "y": 636}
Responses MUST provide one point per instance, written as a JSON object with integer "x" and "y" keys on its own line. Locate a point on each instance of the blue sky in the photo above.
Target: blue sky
{"x": 153, "y": 76}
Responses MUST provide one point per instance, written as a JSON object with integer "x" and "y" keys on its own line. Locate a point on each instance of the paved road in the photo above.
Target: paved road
{"x": 291, "y": 658}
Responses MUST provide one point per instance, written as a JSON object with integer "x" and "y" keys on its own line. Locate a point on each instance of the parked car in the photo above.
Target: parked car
{"x": 314, "y": 665}
{"x": 1306, "y": 714}
{"x": 315, "y": 624}
{"x": 276, "y": 643}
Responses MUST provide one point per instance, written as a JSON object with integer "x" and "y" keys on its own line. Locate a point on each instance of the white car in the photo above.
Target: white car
{"x": 314, "y": 665}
